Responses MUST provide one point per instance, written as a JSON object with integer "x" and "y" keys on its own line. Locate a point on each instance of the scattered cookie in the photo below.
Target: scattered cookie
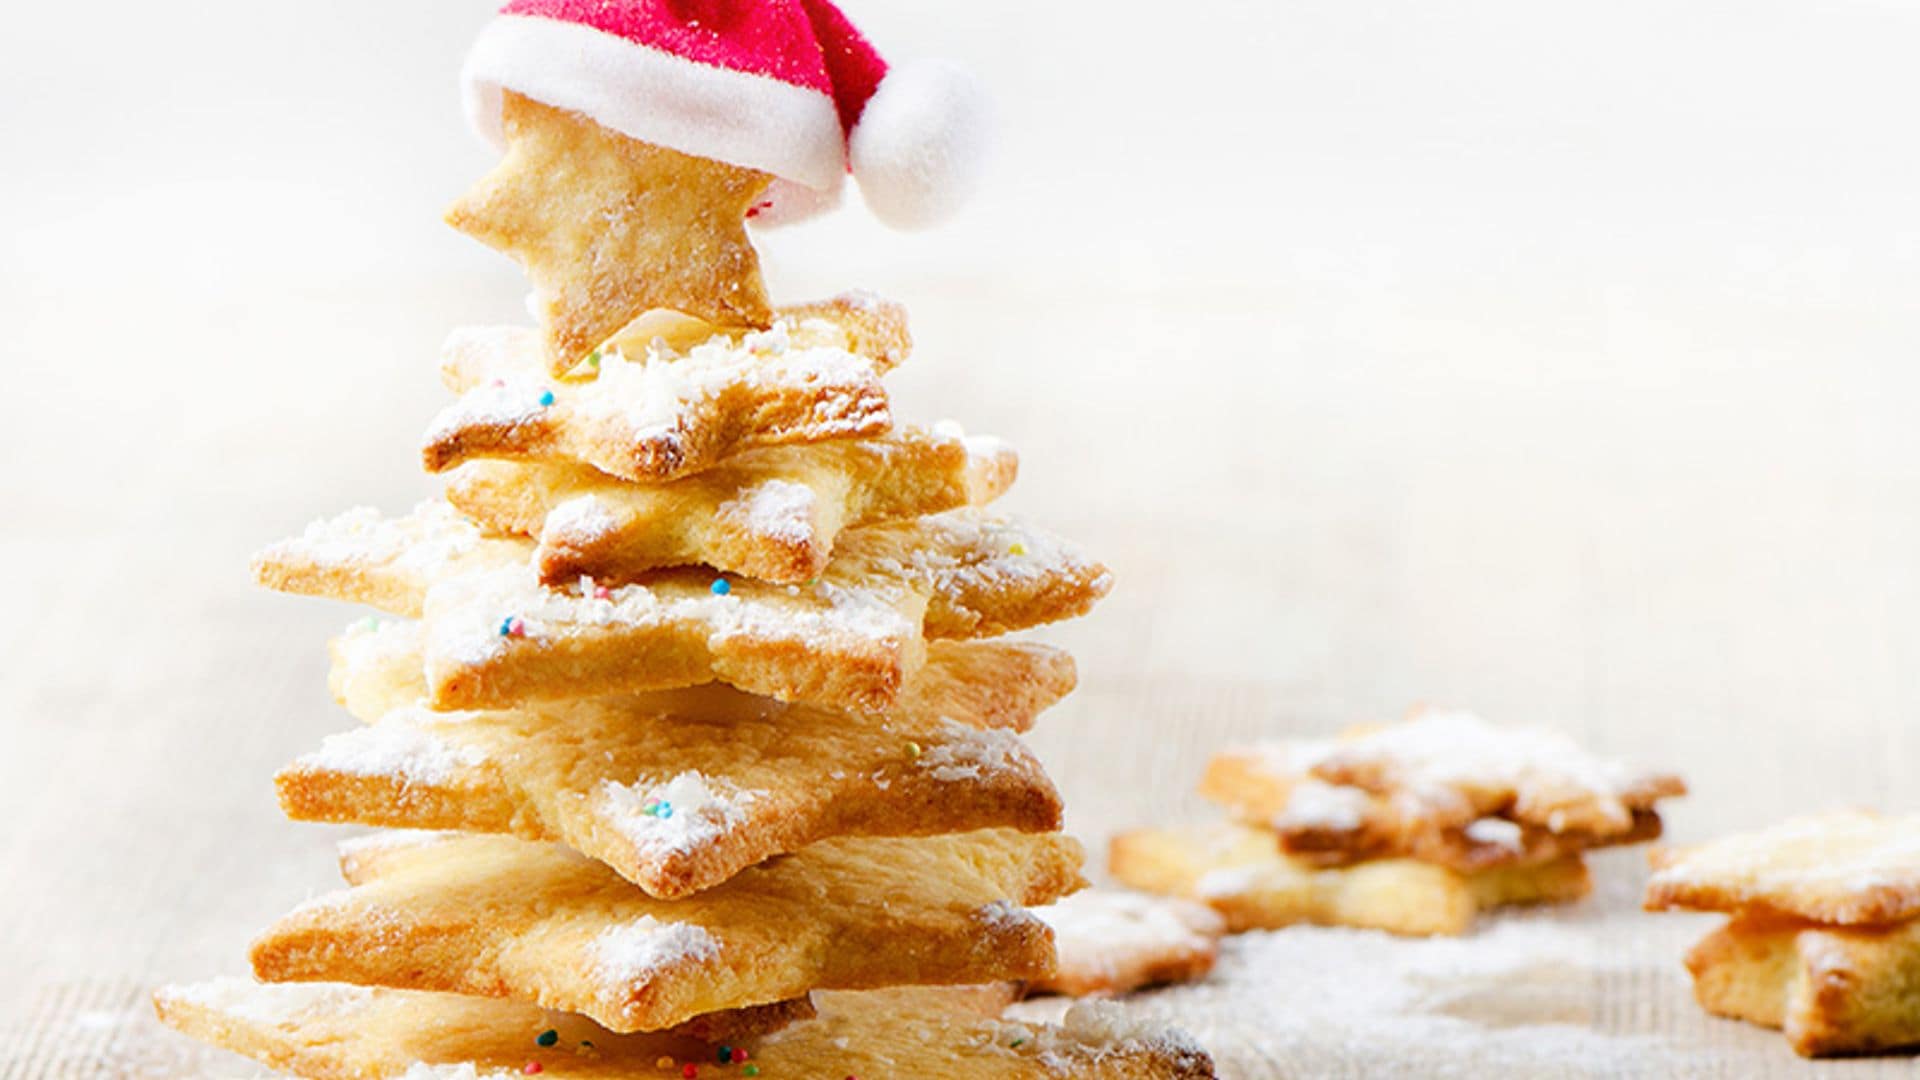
{"x": 1443, "y": 787}
{"x": 650, "y": 410}
{"x": 771, "y": 514}
{"x": 503, "y": 917}
{"x": 1109, "y": 942}
{"x": 609, "y": 227}
{"x": 332, "y": 1032}
{"x": 496, "y": 637}
{"x": 1461, "y": 768}
{"x": 1824, "y": 936}
{"x": 1831, "y": 989}
{"x": 1845, "y": 868}
{"x": 1241, "y": 873}
{"x": 679, "y": 791}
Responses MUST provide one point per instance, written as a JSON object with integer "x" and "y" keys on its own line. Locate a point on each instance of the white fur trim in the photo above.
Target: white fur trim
{"x": 788, "y": 202}
{"x": 742, "y": 119}
{"x": 920, "y": 146}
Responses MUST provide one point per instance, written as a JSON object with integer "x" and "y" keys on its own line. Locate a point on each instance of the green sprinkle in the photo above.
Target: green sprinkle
{"x": 751, "y": 1070}
{"x": 548, "y": 1037}
{"x": 593, "y": 358}
{"x": 1017, "y": 1042}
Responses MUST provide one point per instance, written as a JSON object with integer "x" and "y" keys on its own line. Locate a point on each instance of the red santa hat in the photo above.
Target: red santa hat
{"x": 788, "y": 87}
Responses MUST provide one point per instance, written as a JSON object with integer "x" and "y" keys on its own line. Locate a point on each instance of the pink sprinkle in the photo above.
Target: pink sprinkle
{"x": 533, "y": 1067}
{"x": 601, "y": 592}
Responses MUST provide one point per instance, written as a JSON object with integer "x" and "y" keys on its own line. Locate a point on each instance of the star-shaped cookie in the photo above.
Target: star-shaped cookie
{"x": 333, "y": 1032}
{"x": 609, "y": 228}
{"x": 507, "y": 918}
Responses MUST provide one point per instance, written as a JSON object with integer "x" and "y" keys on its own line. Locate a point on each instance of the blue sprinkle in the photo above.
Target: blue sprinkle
{"x": 721, "y": 587}
{"x": 546, "y": 397}
{"x": 506, "y": 627}
{"x": 664, "y": 810}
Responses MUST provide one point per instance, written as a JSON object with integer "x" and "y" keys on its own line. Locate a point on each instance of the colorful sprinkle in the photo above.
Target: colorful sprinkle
{"x": 1017, "y": 549}
{"x": 663, "y": 1062}
{"x": 546, "y": 398}
{"x": 534, "y": 1067}
{"x": 739, "y": 1055}
{"x": 548, "y": 1037}
{"x": 593, "y": 358}
{"x": 751, "y": 1070}
{"x": 721, "y": 587}
{"x": 689, "y": 1070}
{"x": 913, "y": 748}
{"x": 601, "y": 592}
{"x": 512, "y": 626}
{"x": 723, "y": 1054}
{"x": 1016, "y": 1042}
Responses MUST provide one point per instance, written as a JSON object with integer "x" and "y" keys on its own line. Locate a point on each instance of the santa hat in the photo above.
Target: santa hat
{"x": 787, "y": 87}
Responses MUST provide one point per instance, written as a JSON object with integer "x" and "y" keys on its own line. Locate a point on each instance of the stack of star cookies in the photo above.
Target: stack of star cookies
{"x": 1823, "y": 938}
{"x": 691, "y": 703}
{"x": 1411, "y": 828}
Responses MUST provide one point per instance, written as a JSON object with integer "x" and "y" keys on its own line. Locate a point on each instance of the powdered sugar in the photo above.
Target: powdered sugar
{"x": 970, "y": 754}
{"x": 500, "y": 403}
{"x": 1513, "y": 1000}
{"x": 1324, "y": 807}
{"x": 425, "y": 541}
{"x": 583, "y": 518}
{"x": 1105, "y": 1027}
{"x": 1226, "y": 881}
{"x": 1496, "y": 832}
{"x": 1003, "y": 916}
{"x": 698, "y": 811}
{"x": 399, "y": 746}
{"x": 633, "y": 954}
{"x": 776, "y": 339}
{"x": 420, "y": 1070}
{"x": 269, "y": 1003}
{"x": 780, "y": 510}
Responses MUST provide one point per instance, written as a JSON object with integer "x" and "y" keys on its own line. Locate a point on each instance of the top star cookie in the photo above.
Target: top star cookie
{"x": 609, "y": 228}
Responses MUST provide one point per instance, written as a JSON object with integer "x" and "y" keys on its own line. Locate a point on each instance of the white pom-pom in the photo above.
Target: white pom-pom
{"x": 921, "y": 142}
